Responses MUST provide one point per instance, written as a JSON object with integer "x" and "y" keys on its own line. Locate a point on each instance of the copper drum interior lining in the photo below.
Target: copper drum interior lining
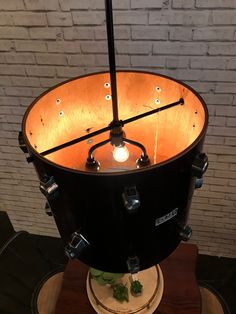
{"x": 84, "y": 105}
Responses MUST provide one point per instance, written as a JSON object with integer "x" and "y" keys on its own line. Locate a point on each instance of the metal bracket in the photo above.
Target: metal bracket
{"x": 131, "y": 199}
{"x": 48, "y": 210}
{"x": 49, "y": 187}
{"x": 76, "y": 246}
{"x": 133, "y": 264}
{"x": 185, "y": 233}
{"x": 23, "y": 147}
{"x": 199, "y": 165}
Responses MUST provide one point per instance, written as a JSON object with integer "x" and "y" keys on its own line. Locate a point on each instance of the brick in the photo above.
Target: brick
{"x": 217, "y": 130}
{"x": 41, "y": 71}
{"x": 20, "y": 58}
{"x": 177, "y": 62}
{"x": 231, "y": 122}
{"x": 6, "y": 45}
{"x": 82, "y": 60}
{"x": 42, "y": 5}
{"x": 230, "y": 141}
{"x": 63, "y": 46}
{"x": 124, "y": 47}
{"x": 30, "y": 45}
{"x": 211, "y": 194}
{"x": 45, "y": 33}
{"x": 49, "y": 82}
{"x": 183, "y": 4}
{"x": 121, "y": 61}
{"x": 187, "y": 18}
{"x": 208, "y": 63}
{"x": 13, "y": 32}
{"x": 6, "y": 19}
{"x": 13, "y": 5}
{"x": 218, "y": 99}
{"x": 67, "y": 72}
{"x": 78, "y": 33}
{"x": 88, "y": 18}
{"x": 57, "y": 59}
{"x": 3, "y": 111}
{"x": 67, "y": 5}
{"x": 221, "y": 150}
{"x": 10, "y": 119}
{"x": 131, "y": 18}
{"x": 217, "y": 75}
{"x": 119, "y": 4}
{"x": 183, "y": 74}
{"x": 226, "y": 189}
{"x": 59, "y": 19}
{"x": 2, "y": 58}
{"x": 146, "y": 33}
{"x": 180, "y": 48}
{"x": 148, "y": 4}
{"x": 150, "y": 61}
{"x": 94, "y": 47}
{"x": 214, "y": 34}
{"x": 120, "y": 32}
{"x": 36, "y": 91}
{"x": 213, "y": 4}
{"x": 29, "y": 19}
{"x": 214, "y": 140}
{"x": 217, "y": 121}
{"x": 9, "y": 101}
{"x": 18, "y": 91}
{"x": 223, "y": 49}
{"x": 231, "y": 63}
{"x": 24, "y": 81}
{"x": 227, "y": 111}
{"x": 225, "y": 87}
{"x": 219, "y": 166}
{"x": 181, "y": 33}
{"x": 12, "y": 70}
{"x": 224, "y": 18}
{"x": 26, "y": 101}
{"x": 203, "y": 87}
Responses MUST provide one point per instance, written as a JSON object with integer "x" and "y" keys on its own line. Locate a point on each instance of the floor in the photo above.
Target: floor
{"x": 30, "y": 259}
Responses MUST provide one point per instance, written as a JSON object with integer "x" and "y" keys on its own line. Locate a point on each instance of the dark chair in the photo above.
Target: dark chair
{"x": 23, "y": 268}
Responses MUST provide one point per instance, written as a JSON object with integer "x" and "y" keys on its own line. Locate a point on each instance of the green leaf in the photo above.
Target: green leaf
{"x": 95, "y": 272}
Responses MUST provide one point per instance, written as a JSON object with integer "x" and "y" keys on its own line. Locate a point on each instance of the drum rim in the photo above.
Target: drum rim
{"x": 118, "y": 173}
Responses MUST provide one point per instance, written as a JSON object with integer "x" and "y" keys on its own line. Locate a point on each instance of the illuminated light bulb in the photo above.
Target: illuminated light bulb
{"x": 120, "y": 153}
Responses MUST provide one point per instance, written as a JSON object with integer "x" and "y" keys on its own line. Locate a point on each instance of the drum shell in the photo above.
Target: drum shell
{"x": 92, "y": 204}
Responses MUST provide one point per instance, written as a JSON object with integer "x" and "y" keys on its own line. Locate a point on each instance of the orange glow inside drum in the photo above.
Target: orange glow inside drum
{"x": 83, "y": 105}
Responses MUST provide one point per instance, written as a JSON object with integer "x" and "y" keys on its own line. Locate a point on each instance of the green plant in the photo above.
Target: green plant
{"x": 136, "y": 288}
{"x": 104, "y": 278}
{"x": 120, "y": 292}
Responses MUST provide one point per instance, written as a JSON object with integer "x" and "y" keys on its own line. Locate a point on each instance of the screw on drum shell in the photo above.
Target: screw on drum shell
{"x": 108, "y": 97}
{"x": 107, "y": 85}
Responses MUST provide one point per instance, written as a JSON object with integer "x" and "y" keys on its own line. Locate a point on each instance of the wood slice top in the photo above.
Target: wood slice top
{"x": 181, "y": 293}
{"x": 101, "y": 297}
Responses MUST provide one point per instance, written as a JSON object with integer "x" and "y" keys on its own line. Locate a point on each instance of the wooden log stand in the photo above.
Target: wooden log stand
{"x": 181, "y": 293}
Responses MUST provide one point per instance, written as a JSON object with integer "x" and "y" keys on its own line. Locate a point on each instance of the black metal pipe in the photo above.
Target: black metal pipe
{"x": 75, "y": 141}
{"x": 143, "y": 149}
{"x": 148, "y": 113}
{"x": 112, "y": 60}
{"x": 94, "y": 147}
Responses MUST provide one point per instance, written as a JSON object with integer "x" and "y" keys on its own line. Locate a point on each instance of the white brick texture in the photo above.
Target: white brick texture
{"x": 43, "y": 43}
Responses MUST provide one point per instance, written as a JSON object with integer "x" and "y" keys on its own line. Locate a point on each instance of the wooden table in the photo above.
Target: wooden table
{"x": 181, "y": 293}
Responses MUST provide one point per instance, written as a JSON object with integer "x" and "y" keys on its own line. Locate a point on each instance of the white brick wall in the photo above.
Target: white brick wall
{"x": 45, "y": 42}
